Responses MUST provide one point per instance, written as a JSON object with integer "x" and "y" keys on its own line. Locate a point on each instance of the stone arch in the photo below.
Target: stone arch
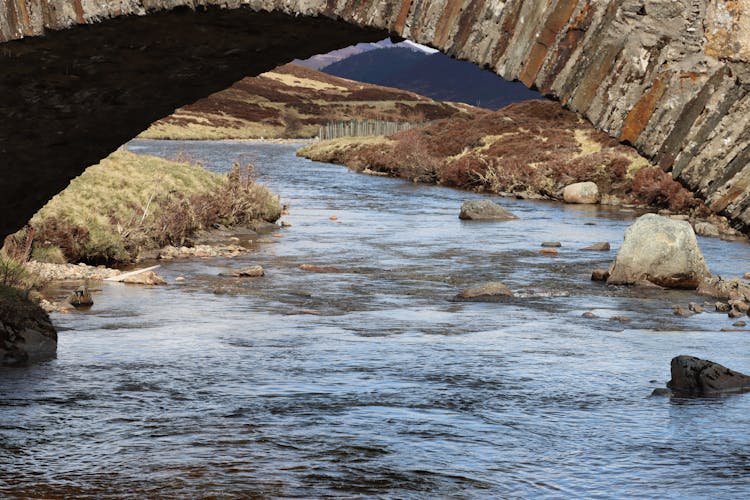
{"x": 81, "y": 77}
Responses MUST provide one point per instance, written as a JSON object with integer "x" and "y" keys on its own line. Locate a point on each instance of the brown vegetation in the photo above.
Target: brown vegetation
{"x": 129, "y": 203}
{"x": 531, "y": 149}
{"x": 292, "y": 102}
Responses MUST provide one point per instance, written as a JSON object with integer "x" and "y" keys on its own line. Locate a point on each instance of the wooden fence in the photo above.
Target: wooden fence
{"x": 359, "y": 128}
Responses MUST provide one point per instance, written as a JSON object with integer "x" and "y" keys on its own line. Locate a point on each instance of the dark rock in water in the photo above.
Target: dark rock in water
{"x": 598, "y": 247}
{"x": 599, "y": 275}
{"x": 81, "y": 298}
{"x": 245, "y": 272}
{"x": 486, "y": 292}
{"x": 552, "y": 244}
{"x": 661, "y": 392}
{"x": 589, "y": 315}
{"x": 739, "y": 323}
{"x": 700, "y": 377}
{"x": 681, "y": 311}
{"x": 26, "y": 333}
{"x": 484, "y": 210}
{"x": 696, "y": 308}
{"x": 621, "y": 319}
{"x": 722, "y": 307}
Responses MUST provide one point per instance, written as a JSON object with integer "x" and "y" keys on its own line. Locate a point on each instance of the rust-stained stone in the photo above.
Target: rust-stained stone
{"x": 556, "y": 21}
{"x": 638, "y": 117}
{"x": 62, "y": 93}
{"x": 447, "y": 21}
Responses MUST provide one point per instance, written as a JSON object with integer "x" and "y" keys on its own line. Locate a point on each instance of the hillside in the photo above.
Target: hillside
{"x": 292, "y": 102}
{"x": 531, "y": 149}
{"x": 436, "y": 76}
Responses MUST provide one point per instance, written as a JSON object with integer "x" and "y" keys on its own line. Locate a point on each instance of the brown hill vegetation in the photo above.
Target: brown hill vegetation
{"x": 531, "y": 149}
{"x": 292, "y": 102}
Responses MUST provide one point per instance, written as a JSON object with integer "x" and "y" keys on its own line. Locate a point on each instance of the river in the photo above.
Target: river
{"x": 372, "y": 382}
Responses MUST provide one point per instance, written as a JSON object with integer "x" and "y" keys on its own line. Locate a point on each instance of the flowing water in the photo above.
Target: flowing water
{"x": 372, "y": 382}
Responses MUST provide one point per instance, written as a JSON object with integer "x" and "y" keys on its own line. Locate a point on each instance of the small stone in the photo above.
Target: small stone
{"x": 285, "y": 224}
{"x": 746, "y": 276}
{"x": 598, "y": 247}
{"x": 551, "y": 244}
{"x": 661, "y": 392}
{"x": 245, "y": 272}
{"x": 621, "y": 319}
{"x": 491, "y": 291}
{"x": 722, "y": 307}
{"x": 320, "y": 269}
{"x": 739, "y": 305}
{"x": 81, "y": 297}
{"x": 548, "y": 251}
{"x": 333, "y": 217}
{"x": 739, "y": 323}
{"x": 484, "y": 210}
{"x": 179, "y": 279}
{"x": 589, "y": 315}
{"x": 695, "y": 307}
{"x": 599, "y": 274}
{"x": 278, "y": 235}
{"x": 681, "y": 311}
{"x": 147, "y": 278}
{"x": 581, "y": 192}
{"x": 706, "y": 229}
{"x": 734, "y": 313}
{"x": 234, "y": 239}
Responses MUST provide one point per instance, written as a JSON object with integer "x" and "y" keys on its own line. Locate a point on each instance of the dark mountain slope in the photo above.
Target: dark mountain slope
{"x": 433, "y": 75}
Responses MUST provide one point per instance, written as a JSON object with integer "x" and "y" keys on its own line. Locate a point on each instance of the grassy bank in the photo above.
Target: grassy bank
{"x": 130, "y": 203}
{"x": 531, "y": 149}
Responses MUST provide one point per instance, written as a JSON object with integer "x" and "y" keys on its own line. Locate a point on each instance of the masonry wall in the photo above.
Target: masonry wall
{"x": 668, "y": 76}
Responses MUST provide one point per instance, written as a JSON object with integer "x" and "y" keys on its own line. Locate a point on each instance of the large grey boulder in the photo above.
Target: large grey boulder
{"x": 26, "y": 333}
{"x": 484, "y": 210}
{"x": 581, "y": 192}
{"x": 695, "y": 376}
{"x": 661, "y": 251}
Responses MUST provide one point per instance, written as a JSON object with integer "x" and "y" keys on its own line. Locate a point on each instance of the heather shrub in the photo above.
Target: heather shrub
{"x": 653, "y": 186}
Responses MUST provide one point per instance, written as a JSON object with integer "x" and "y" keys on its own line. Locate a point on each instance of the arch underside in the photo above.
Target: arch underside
{"x": 668, "y": 76}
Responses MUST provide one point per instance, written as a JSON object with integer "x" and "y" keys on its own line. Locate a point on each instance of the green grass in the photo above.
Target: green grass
{"x": 129, "y": 203}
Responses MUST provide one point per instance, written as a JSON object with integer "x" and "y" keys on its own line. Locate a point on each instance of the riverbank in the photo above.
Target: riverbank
{"x": 298, "y": 367}
{"x": 529, "y": 150}
{"x": 130, "y": 205}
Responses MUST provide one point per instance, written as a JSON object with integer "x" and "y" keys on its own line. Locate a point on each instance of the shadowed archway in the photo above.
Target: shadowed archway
{"x": 80, "y": 78}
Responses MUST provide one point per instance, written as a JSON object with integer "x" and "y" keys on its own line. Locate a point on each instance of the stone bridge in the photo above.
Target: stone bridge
{"x": 80, "y": 77}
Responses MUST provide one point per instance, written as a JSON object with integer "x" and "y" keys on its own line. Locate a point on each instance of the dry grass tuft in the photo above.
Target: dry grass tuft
{"x": 129, "y": 203}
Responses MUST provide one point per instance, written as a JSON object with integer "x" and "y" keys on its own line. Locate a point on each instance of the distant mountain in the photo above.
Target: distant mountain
{"x": 433, "y": 75}
{"x": 323, "y": 60}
